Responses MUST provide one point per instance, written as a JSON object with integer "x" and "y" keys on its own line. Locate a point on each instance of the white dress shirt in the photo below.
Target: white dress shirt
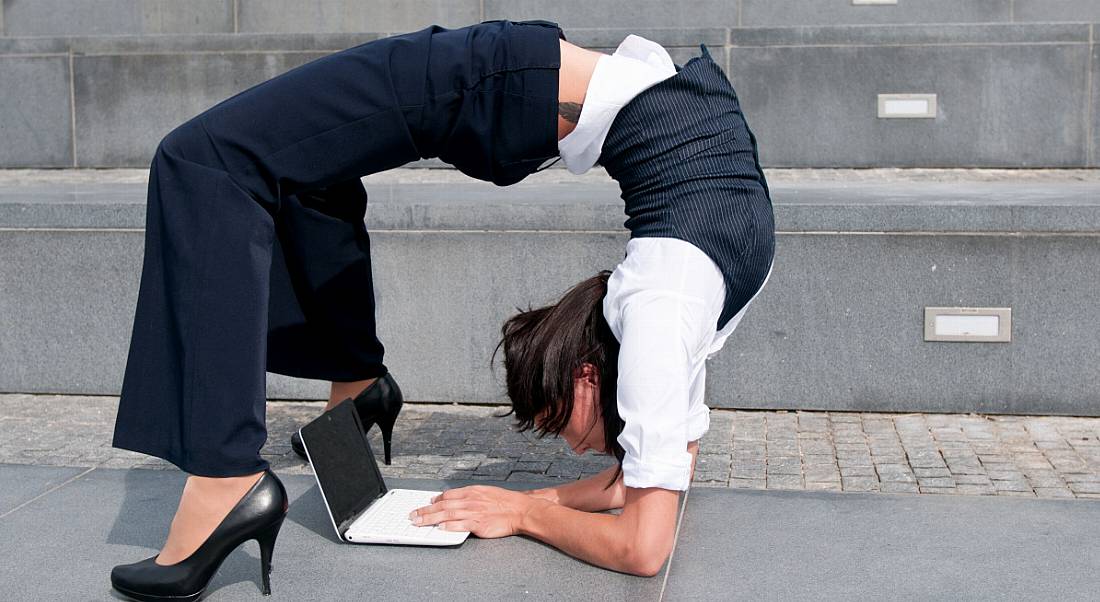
{"x": 663, "y": 300}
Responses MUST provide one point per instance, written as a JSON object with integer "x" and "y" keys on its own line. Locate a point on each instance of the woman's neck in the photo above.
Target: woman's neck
{"x": 577, "y": 65}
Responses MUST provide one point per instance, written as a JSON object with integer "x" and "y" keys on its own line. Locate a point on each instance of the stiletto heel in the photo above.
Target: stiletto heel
{"x": 266, "y": 539}
{"x": 258, "y": 515}
{"x": 381, "y": 407}
{"x": 386, "y": 426}
{"x": 380, "y": 403}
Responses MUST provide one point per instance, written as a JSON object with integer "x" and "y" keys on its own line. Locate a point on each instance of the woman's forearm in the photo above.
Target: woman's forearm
{"x": 616, "y": 542}
{"x": 588, "y": 494}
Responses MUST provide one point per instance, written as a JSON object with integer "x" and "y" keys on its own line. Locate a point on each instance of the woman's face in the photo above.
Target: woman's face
{"x": 584, "y": 431}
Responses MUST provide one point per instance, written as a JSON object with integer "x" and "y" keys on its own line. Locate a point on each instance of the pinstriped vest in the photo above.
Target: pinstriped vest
{"x": 688, "y": 168}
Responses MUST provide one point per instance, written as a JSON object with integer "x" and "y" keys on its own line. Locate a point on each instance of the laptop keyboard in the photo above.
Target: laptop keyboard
{"x": 391, "y": 517}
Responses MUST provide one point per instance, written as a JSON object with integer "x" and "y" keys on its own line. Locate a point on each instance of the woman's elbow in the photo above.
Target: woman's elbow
{"x": 646, "y": 559}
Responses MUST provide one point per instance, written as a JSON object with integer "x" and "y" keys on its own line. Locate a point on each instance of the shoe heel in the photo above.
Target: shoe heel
{"x": 386, "y": 426}
{"x": 266, "y": 539}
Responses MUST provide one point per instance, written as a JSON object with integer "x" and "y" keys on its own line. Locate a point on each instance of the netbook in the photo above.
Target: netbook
{"x": 360, "y": 506}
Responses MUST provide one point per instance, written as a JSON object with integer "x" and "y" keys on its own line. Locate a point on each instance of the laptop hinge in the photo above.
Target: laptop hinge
{"x": 344, "y": 526}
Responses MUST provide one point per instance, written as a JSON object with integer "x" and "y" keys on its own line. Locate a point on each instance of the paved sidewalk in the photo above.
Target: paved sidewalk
{"x": 64, "y": 528}
{"x": 1057, "y": 457}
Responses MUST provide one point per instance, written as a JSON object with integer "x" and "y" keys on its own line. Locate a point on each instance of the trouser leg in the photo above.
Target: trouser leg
{"x": 193, "y": 391}
{"x": 322, "y": 311}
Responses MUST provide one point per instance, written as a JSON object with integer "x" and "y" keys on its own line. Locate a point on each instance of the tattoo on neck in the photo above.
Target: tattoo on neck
{"x": 570, "y": 111}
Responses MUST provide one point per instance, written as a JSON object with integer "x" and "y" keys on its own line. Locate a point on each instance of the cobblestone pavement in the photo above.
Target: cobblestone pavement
{"x": 972, "y": 454}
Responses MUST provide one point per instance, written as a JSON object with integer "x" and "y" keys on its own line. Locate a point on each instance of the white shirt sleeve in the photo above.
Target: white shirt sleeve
{"x": 659, "y": 308}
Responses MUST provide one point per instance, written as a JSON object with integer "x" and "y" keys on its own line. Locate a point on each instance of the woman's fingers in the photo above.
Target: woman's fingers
{"x": 456, "y": 494}
{"x": 441, "y": 511}
{"x": 456, "y": 525}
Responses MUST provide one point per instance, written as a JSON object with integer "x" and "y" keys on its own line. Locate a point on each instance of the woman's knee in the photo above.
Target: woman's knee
{"x": 190, "y": 142}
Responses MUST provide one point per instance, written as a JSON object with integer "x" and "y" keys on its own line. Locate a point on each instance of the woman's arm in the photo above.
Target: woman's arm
{"x": 589, "y": 494}
{"x": 637, "y": 541}
{"x": 586, "y": 494}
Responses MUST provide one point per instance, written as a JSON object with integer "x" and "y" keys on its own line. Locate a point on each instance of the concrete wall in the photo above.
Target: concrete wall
{"x": 839, "y": 325}
{"x": 1008, "y": 95}
{"x": 77, "y": 17}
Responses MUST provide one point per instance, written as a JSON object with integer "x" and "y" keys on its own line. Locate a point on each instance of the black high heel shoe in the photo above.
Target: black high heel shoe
{"x": 379, "y": 403}
{"x": 258, "y": 515}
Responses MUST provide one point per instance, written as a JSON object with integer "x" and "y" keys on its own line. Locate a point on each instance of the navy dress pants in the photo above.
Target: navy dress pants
{"x": 257, "y": 257}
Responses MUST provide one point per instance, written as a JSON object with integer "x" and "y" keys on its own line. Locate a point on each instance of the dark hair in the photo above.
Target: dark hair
{"x": 544, "y": 349}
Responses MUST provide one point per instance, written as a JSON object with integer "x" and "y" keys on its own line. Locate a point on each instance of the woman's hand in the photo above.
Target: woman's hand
{"x": 483, "y": 510}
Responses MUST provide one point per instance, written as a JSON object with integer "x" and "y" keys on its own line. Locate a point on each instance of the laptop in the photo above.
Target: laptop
{"x": 361, "y": 507}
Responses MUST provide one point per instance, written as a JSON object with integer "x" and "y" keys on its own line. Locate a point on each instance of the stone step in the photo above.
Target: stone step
{"x": 98, "y": 17}
{"x": 860, "y": 254}
{"x": 1005, "y": 95}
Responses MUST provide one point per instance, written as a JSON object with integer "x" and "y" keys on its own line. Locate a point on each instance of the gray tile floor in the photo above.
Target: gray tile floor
{"x": 71, "y": 507}
{"x": 64, "y": 528}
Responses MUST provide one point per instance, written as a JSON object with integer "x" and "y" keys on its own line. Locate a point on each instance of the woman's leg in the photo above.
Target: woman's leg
{"x": 194, "y": 388}
{"x": 193, "y": 391}
{"x": 321, "y": 315}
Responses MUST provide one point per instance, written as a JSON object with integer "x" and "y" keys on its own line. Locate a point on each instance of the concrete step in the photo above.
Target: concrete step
{"x": 860, "y": 254}
{"x": 1006, "y": 95}
{"x": 64, "y": 17}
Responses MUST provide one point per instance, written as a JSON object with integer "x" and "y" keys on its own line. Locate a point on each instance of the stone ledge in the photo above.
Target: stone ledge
{"x": 589, "y": 37}
{"x": 806, "y": 201}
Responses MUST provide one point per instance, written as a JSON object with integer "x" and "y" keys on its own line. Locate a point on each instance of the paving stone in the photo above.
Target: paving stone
{"x": 939, "y": 490}
{"x": 823, "y": 485}
{"x": 859, "y": 483}
{"x": 1053, "y": 492}
{"x": 815, "y": 459}
{"x": 820, "y": 472}
{"x": 855, "y": 460}
{"x": 1084, "y": 487}
{"x": 816, "y": 447}
{"x": 536, "y": 467}
{"x": 843, "y": 417}
{"x": 976, "y": 489}
{"x": 972, "y": 479}
{"x": 966, "y": 468}
{"x": 895, "y": 473}
{"x": 784, "y": 466}
{"x": 784, "y": 481}
{"x": 849, "y": 437}
{"x": 748, "y": 483}
{"x": 1046, "y": 482}
{"x": 1012, "y": 485}
{"x": 1081, "y": 477}
{"x": 926, "y": 460}
{"x": 896, "y": 487}
{"x": 857, "y": 471}
{"x": 1005, "y": 475}
{"x": 742, "y": 472}
{"x": 931, "y": 472}
{"x": 936, "y": 482}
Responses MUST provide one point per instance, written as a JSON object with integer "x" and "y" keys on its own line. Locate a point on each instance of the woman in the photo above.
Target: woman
{"x": 257, "y": 258}
{"x": 618, "y": 364}
{"x": 242, "y": 168}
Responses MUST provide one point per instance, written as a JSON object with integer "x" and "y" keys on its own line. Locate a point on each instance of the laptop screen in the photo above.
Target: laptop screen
{"x": 343, "y": 462}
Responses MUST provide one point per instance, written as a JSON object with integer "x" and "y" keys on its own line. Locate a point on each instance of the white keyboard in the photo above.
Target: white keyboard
{"x": 387, "y": 521}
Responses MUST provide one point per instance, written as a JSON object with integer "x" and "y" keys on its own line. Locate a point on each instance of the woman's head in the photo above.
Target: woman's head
{"x": 561, "y": 363}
